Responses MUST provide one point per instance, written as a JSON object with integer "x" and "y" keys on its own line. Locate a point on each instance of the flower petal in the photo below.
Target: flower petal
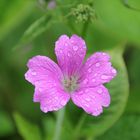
{"x": 53, "y": 99}
{"x": 70, "y": 53}
{"x": 42, "y": 68}
{"x": 97, "y": 70}
{"x": 92, "y": 100}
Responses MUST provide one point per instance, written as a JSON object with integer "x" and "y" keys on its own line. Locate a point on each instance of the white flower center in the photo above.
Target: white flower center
{"x": 70, "y": 84}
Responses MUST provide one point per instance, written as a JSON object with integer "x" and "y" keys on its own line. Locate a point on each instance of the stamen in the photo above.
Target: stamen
{"x": 70, "y": 84}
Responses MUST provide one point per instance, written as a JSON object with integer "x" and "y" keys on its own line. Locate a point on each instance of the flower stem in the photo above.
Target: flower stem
{"x": 59, "y": 122}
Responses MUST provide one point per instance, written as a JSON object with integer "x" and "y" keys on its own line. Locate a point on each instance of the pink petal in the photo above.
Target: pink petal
{"x": 97, "y": 70}
{"x": 92, "y": 100}
{"x": 70, "y": 53}
{"x": 53, "y": 99}
{"x": 42, "y": 68}
{"x": 44, "y": 74}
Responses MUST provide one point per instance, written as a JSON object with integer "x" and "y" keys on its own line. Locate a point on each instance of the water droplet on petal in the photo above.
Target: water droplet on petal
{"x": 75, "y": 48}
{"x": 93, "y": 80}
{"x": 104, "y": 77}
{"x": 61, "y": 51}
{"x": 85, "y": 81}
{"x": 99, "y": 91}
{"x": 40, "y": 89}
{"x": 104, "y": 53}
{"x": 66, "y": 44}
{"x": 86, "y": 105}
{"x": 34, "y": 73}
{"x": 69, "y": 54}
{"x": 87, "y": 99}
{"x": 114, "y": 71}
{"x": 89, "y": 70}
{"x": 97, "y": 64}
{"x": 63, "y": 102}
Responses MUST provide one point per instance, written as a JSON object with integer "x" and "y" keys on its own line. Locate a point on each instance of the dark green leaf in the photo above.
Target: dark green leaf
{"x": 127, "y": 128}
{"x": 119, "y": 19}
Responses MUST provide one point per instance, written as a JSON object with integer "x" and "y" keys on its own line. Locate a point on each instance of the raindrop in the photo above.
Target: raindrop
{"x": 87, "y": 99}
{"x": 97, "y": 64}
{"x": 89, "y": 70}
{"x": 62, "y": 102}
{"x": 93, "y": 80}
{"x": 34, "y": 73}
{"x": 99, "y": 91}
{"x": 114, "y": 71}
{"x": 85, "y": 81}
{"x": 86, "y": 105}
{"x": 75, "y": 48}
{"x": 104, "y": 77}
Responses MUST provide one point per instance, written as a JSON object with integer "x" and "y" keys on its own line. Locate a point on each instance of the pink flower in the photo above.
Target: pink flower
{"x": 71, "y": 78}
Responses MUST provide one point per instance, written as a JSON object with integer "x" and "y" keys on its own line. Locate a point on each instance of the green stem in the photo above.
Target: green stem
{"x": 84, "y": 31}
{"x": 78, "y": 127}
{"x": 59, "y": 122}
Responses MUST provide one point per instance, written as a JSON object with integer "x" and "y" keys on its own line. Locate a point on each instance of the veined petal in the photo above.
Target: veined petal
{"x": 53, "y": 99}
{"x": 42, "y": 68}
{"x": 92, "y": 100}
{"x": 44, "y": 74}
{"x": 70, "y": 53}
{"x": 97, "y": 70}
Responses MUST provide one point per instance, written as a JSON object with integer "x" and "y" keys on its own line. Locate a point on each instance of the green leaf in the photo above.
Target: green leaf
{"x": 133, "y": 4}
{"x": 7, "y": 126}
{"x": 26, "y": 129}
{"x": 37, "y": 28}
{"x": 127, "y": 128}
{"x": 13, "y": 12}
{"x": 119, "y": 19}
{"x": 89, "y": 126}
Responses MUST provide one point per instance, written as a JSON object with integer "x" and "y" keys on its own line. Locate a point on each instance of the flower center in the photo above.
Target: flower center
{"x": 70, "y": 84}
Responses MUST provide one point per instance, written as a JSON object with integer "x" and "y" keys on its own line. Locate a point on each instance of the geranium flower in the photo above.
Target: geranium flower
{"x": 71, "y": 78}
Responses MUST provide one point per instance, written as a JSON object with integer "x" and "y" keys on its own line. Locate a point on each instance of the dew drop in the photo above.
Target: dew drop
{"x": 86, "y": 105}
{"x": 33, "y": 73}
{"x": 104, "y": 77}
{"x": 69, "y": 54}
{"x": 114, "y": 71}
{"x": 87, "y": 99}
{"x": 66, "y": 44}
{"x": 93, "y": 80}
{"x": 75, "y": 48}
{"x": 61, "y": 51}
{"x": 89, "y": 70}
{"x": 104, "y": 53}
{"x": 99, "y": 91}
{"x": 40, "y": 89}
{"x": 97, "y": 64}
{"x": 62, "y": 102}
{"x": 85, "y": 81}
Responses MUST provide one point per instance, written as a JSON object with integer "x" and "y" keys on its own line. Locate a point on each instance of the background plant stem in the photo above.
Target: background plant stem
{"x": 59, "y": 122}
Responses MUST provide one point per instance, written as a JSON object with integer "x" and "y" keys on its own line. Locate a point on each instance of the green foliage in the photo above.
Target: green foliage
{"x": 119, "y": 19}
{"x": 127, "y": 128}
{"x": 133, "y": 4}
{"x": 6, "y": 124}
{"x": 12, "y": 13}
{"x": 26, "y": 129}
{"x": 37, "y": 28}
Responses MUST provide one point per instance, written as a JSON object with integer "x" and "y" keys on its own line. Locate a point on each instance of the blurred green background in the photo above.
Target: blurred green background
{"x": 31, "y": 27}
